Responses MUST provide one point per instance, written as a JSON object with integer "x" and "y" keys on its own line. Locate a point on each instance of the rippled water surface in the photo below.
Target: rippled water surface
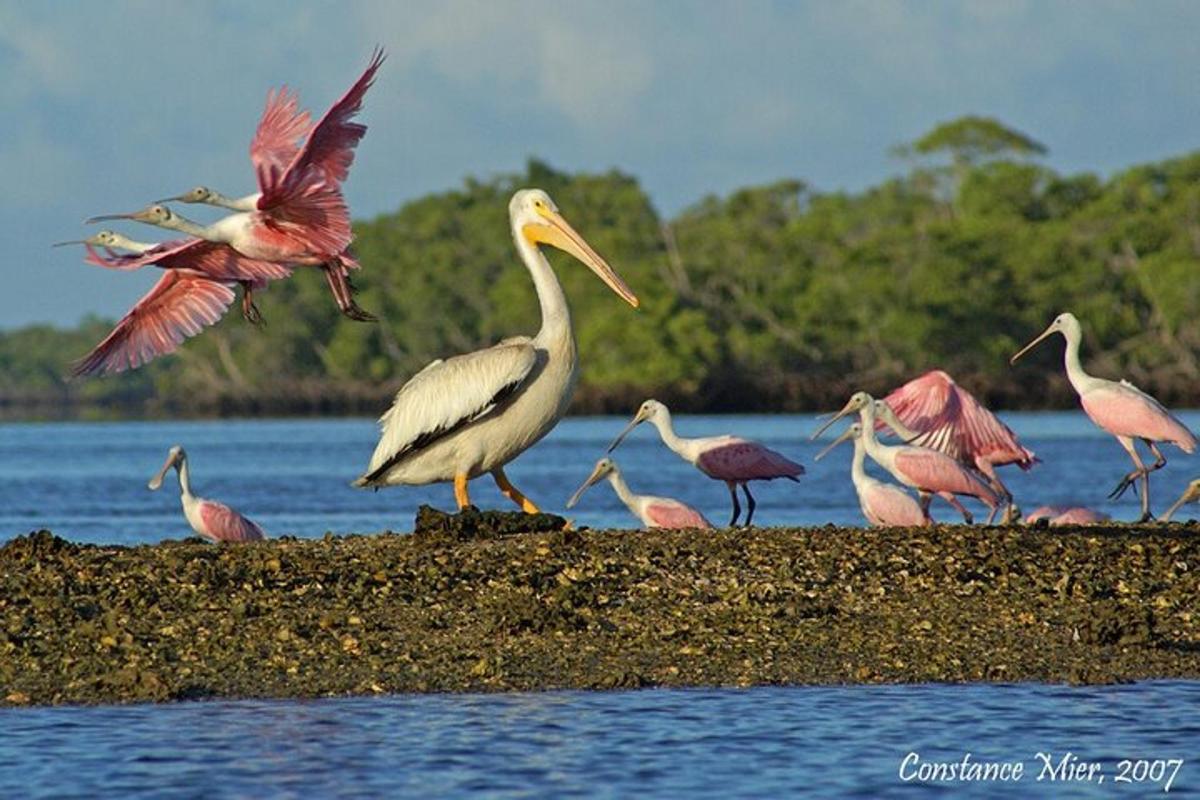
{"x": 766, "y": 742}
{"x": 87, "y": 481}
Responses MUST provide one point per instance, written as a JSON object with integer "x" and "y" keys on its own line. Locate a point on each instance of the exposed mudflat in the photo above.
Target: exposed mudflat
{"x": 494, "y": 601}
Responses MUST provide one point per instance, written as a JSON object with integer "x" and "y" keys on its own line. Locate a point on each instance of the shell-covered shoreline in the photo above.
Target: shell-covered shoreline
{"x": 509, "y": 602}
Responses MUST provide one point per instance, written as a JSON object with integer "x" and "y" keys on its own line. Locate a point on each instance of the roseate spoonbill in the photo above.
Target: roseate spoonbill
{"x": 329, "y": 145}
{"x": 928, "y": 471}
{"x": 472, "y": 414}
{"x": 934, "y": 411}
{"x": 654, "y": 512}
{"x": 883, "y": 504}
{"x": 1121, "y": 409}
{"x": 216, "y": 261}
{"x": 299, "y": 216}
{"x": 212, "y": 520}
{"x": 1066, "y": 515}
{"x": 731, "y": 459}
{"x": 1190, "y": 495}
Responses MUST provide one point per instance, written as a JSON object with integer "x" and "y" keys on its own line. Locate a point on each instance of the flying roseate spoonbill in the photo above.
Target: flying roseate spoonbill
{"x": 299, "y": 215}
{"x": 936, "y": 412}
{"x": 928, "y": 471}
{"x": 472, "y": 414}
{"x": 883, "y": 504}
{"x": 212, "y": 520}
{"x": 1121, "y": 409}
{"x": 731, "y": 459}
{"x": 216, "y": 261}
{"x": 1190, "y": 495}
{"x": 654, "y": 512}
{"x": 1066, "y": 515}
{"x": 328, "y": 146}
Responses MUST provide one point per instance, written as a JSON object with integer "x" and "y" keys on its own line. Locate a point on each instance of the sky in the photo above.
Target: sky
{"x": 107, "y": 106}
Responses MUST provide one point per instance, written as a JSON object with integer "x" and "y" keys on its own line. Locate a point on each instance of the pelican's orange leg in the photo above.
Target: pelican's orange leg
{"x": 512, "y": 493}
{"x": 460, "y": 490}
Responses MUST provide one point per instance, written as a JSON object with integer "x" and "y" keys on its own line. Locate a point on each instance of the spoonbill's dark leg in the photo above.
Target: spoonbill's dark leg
{"x": 959, "y": 507}
{"x": 737, "y": 507}
{"x": 339, "y": 285}
{"x": 1140, "y": 472}
{"x": 249, "y": 310}
{"x": 749, "y": 504}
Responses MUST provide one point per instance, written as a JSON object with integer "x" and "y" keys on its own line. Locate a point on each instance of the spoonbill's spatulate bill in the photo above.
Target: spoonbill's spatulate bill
{"x": 654, "y": 512}
{"x": 299, "y": 216}
{"x": 1190, "y": 495}
{"x": 731, "y": 459}
{"x": 883, "y": 504}
{"x": 928, "y": 471}
{"x": 1121, "y": 409}
{"x": 472, "y": 414}
{"x": 936, "y": 412}
{"x": 212, "y": 520}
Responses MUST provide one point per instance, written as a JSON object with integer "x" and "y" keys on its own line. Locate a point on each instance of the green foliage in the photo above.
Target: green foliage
{"x": 775, "y": 297}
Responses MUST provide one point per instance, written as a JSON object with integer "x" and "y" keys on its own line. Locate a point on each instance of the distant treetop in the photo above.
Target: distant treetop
{"x": 971, "y": 139}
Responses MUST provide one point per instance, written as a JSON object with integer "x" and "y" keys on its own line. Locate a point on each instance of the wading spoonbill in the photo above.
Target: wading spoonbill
{"x": 212, "y": 520}
{"x": 935, "y": 412}
{"x": 928, "y": 471}
{"x": 731, "y": 459}
{"x": 1121, "y": 409}
{"x": 469, "y": 415}
{"x": 654, "y": 512}
{"x": 883, "y": 504}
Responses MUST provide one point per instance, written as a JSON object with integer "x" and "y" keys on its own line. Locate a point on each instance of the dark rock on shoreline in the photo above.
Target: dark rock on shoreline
{"x": 471, "y": 603}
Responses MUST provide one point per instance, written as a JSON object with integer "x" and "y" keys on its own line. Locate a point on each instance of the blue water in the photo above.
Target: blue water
{"x": 765, "y": 742}
{"x": 87, "y": 481}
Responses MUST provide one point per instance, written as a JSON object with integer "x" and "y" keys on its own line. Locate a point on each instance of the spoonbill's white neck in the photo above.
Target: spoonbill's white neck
{"x": 247, "y": 203}
{"x": 185, "y": 482}
{"x": 678, "y": 444}
{"x": 1079, "y": 379}
{"x": 870, "y": 441}
{"x": 858, "y": 469}
{"x": 184, "y": 225}
{"x": 556, "y": 315}
{"x": 622, "y": 489}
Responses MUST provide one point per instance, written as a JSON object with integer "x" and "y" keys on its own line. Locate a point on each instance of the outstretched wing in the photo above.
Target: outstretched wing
{"x": 179, "y": 306}
{"x": 277, "y": 138}
{"x": 329, "y": 150}
{"x": 213, "y": 259}
{"x": 949, "y": 419}
{"x": 446, "y": 396}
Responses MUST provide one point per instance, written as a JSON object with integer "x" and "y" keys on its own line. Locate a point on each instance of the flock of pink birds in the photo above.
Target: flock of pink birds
{"x": 950, "y": 445}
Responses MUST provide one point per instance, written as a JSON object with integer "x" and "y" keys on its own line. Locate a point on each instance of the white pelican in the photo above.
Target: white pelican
{"x": 471, "y": 414}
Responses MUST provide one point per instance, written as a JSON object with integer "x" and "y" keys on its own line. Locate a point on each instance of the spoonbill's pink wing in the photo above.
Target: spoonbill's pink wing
{"x": 740, "y": 460}
{"x": 212, "y": 259}
{"x": 180, "y": 305}
{"x": 938, "y": 472}
{"x": 329, "y": 150}
{"x": 1044, "y": 512}
{"x": 313, "y": 214}
{"x": 282, "y": 125}
{"x": 224, "y": 524}
{"x": 1080, "y": 516}
{"x": 890, "y": 506}
{"x": 668, "y": 513}
{"x": 1124, "y": 410}
{"x": 952, "y": 421}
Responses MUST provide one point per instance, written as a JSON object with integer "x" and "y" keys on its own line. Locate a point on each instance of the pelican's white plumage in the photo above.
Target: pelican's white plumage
{"x": 471, "y": 414}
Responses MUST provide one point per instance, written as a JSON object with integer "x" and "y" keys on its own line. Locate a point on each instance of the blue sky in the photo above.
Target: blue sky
{"x": 105, "y": 106}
